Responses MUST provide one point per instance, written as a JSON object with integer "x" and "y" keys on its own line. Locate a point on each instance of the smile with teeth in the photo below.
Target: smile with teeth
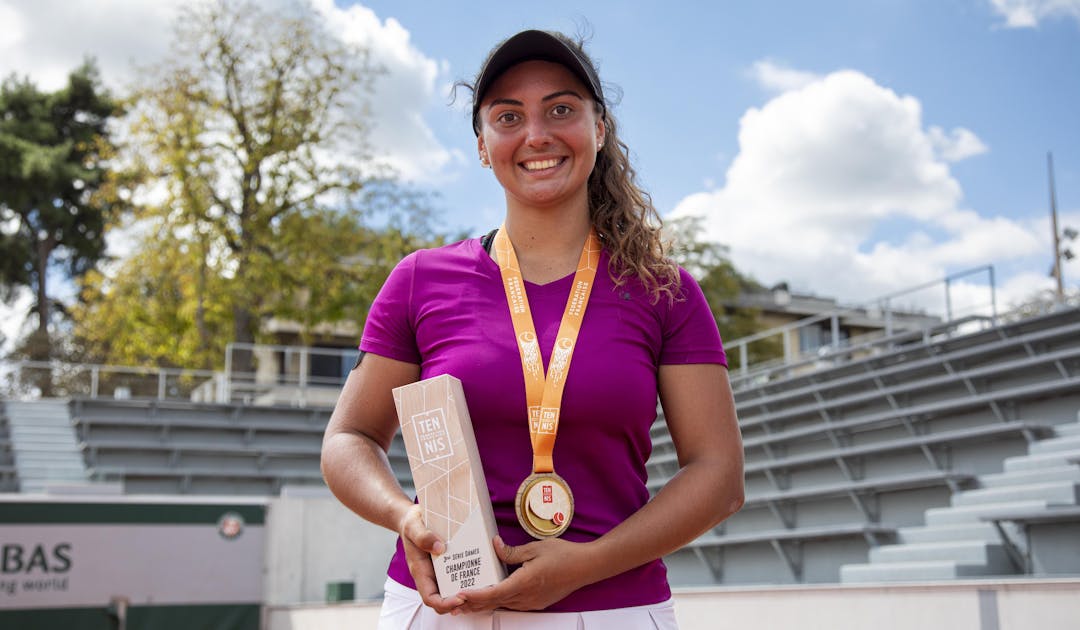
{"x": 539, "y": 165}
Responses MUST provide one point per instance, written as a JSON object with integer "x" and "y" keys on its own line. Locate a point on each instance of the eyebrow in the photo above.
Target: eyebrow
{"x": 549, "y": 97}
{"x": 556, "y": 95}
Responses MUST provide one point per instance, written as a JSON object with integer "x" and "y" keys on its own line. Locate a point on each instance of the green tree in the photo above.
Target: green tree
{"x": 154, "y": 308}
{"x": 722, "y": 285}
{"x": 54, "y": 156}
{"x": 171, "y": 302}
{"x": 253, "y": 136}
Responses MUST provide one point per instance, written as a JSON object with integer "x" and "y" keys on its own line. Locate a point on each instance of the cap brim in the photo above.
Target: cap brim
{"x": 530, "y": 46}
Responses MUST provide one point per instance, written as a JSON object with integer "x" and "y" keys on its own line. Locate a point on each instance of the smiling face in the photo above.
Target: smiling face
{"x": 540, "y": 132}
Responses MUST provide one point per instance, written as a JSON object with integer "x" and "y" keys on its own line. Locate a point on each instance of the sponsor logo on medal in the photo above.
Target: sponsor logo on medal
{"x": 544, "y": 505}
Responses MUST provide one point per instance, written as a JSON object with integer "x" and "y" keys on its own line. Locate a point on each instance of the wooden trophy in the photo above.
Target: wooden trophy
{"x": 449, "y": 482}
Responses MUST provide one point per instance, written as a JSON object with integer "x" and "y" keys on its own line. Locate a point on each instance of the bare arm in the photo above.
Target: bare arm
{"x": 708, "y": 488}
{"x": 357, "y": 470}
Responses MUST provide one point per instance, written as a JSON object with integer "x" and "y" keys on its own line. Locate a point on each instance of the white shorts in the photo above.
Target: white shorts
{"x": 403, "y": 609}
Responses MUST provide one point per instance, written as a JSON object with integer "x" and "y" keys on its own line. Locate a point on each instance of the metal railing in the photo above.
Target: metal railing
{"x": 257, "y": 374}
{"x": 887, "y": 312}
{"x": 279, "y": 374}
{"x": 264, "y": 374}
{"x": 27, "y": 380}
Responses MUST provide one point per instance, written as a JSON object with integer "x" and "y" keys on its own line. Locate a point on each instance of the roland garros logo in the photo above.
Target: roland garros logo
{"x": 230, "y": 525}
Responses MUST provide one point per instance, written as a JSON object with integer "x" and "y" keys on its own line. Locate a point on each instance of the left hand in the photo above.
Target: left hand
{"x": 550, "y": 570}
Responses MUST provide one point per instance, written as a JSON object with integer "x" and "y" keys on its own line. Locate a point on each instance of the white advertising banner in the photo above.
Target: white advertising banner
{"x": 213, "y": 555}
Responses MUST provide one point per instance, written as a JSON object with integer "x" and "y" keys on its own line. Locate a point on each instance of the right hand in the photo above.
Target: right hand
{"x": 420, "y": 542}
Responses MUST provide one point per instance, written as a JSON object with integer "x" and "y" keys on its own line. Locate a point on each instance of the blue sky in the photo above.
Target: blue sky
{"x": 851, "y": 148}
{"x": 686, "y": 73}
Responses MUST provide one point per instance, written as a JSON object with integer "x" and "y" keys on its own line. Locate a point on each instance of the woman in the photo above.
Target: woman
{"x": 574, "y": 218}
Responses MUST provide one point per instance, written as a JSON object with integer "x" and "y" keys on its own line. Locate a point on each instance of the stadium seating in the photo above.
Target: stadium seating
{"x": 853, "y": 459}
{"x": 843, "y": 461}
{"x": 178, "y": 447}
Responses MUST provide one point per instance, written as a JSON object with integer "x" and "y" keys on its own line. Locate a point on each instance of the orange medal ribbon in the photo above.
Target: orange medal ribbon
{"x": 544, "y": 395}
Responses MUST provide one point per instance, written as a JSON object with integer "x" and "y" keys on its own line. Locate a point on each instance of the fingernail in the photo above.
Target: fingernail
{"x": 438, "y": 548}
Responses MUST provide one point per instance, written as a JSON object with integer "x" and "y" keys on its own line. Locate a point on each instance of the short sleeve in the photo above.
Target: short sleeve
{"x": 690, "y": 332}
{"x": 389, "y": 329}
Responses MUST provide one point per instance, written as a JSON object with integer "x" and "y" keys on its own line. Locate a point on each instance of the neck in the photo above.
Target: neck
{"x": 547, "y": 245}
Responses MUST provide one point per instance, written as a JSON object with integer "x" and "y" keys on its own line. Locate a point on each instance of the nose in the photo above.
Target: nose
{"x": 537, "y": 132}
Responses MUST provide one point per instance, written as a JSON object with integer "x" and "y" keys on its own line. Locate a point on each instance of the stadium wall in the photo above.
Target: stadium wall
{"x": 164, "y": 562}
{"x": 100, "y": 562}
{"x": 975, "y": 605}
{"x": 313, "y": 542}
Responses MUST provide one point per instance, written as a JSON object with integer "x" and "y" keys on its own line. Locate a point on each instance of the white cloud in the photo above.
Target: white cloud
{"x": 840, "y": 189}
{"x": 776, "y": 77}
{"x": 46, "y": 39}
{"x": 54, "y": 36}
{"x": 13, "y": 316}
{"x": 13, "y": 31}
{"x": 956, "y": 145}
{"x": 400, "y": 135}
{"x": 1028, "y": 13}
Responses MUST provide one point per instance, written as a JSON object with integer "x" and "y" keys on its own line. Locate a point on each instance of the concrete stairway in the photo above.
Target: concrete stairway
{"x": 955, "y": 542}
{"x": 8, "y": 480}
{"x": 44, "y": 445}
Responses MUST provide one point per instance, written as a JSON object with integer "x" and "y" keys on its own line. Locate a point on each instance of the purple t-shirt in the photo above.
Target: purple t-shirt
{"x": 445, "y": 310}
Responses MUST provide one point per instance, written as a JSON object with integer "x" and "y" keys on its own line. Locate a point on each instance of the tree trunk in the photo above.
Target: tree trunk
{"x": 243, "y": 362}
{"x": 200, "y": 310}
{"x": 40, "y": 346}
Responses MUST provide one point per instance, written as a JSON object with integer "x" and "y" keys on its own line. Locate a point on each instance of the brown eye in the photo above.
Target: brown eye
{"x": 562, "y": 111}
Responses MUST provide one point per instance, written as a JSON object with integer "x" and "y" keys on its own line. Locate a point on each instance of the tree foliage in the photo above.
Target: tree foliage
{"x": 1041, "y": 302}
{"x": 239, "y": 123}
{"x": 253, "y": 136}
{"x": 54, "y": 153}
{"x": 722, "y": 285}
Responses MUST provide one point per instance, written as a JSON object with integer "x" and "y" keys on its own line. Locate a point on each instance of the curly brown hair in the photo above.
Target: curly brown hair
{"x": 621, "y": 212}
{"x": 624, "y": 218}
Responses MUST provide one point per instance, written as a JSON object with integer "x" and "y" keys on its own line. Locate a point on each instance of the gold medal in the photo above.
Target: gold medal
{"x": 544, "y": 505}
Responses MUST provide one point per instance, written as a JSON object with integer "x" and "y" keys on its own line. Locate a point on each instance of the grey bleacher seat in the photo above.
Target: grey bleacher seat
{"x": 759, "y": 465}
{"x": 178, "y": 447}
{"x": 836, "y": 530}
{"x": 918, "y": 479}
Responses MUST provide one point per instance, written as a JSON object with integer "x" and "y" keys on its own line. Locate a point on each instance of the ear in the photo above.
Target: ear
{"x": 601, "y": 133}
{"x": 482, "y": 151}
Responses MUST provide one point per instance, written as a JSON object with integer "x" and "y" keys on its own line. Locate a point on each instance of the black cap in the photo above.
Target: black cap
{"x": 529, "y": 46}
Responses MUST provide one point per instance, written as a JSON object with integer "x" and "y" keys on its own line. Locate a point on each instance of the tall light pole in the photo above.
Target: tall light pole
{"x": 1054, "y": 228}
